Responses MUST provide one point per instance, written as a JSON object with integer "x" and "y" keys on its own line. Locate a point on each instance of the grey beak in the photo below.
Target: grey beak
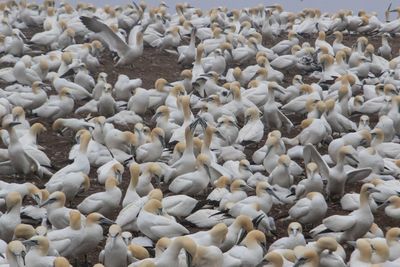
{"x": 155, "y": 116}
{"x": 106, "y": 221}
{"x": 30, "y": 242}
{"x": 47, "y": 202}
{"x": 272, "y": 193}
{"x": 14, "y": 123}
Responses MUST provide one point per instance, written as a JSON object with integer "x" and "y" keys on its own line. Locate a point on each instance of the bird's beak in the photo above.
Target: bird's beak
{"x": 47, "y": 202}
{"x": 30, "y": 242}
{"x": 384, "y": 204}
{"x": 353, "y": 158}
{"x": 268, "y": 150}
{"x": 254, "y": 76}
{"x": 119, "y": 177}
{"x": 189, "y": 259}
{"x": 272, "y": 193}
{"x": 230, "y": 52}
{"x": 242, "y": 235}
{"x": 207, "y": 170}
{"x": 374, "y": 190}
{"x": 162, "y": 141}
{"x": 279, "y": 89}
{"x": 106, "y": 221}
{"x": 249, "y": 188}
{"x": 292, "y": 192}
{"x": 299, "y": 263}
{"x": 158, "y": 179}
{"x": 294, "y": 231}
{"x": 256, "y": 221}
{"x": 155, "y": 116}
{"x": 14, "y": 123}
{"x": 193, "y": 125}
{"x": 20, "y": 261}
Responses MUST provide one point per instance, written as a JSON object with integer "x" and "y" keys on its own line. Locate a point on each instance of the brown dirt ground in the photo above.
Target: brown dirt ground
{"x": 151, "y": 66}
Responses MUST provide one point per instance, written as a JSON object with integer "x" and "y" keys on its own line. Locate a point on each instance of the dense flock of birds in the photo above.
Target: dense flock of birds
{"x": 201, "y": 187}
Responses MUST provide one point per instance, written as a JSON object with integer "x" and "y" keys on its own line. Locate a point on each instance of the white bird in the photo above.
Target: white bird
{"x": 24, "y": 75}
{"x": 312, "y": 183}
{"x": 236, "y": 231}
{"x": 124, "y": 86}
{"x": 115, "y": 253}
{"x": 213, "y": 237}
{"x": 103, "y": 202}
{"x": 193, "y": 183}
{"x": 281, "y": 175}
{"x": 93, "y": 233}
{"x": 156, "y": 226}
{"x": 66, "y": 240}
{"x": 353, "y": 226}
{"x": 131, "y": 195}
{"x": 337, "y": 176}
{"x": 144, "y": 185}
{"x": 37, "y": 255}
{"x": 57, "y": 213}
{"x": 10, "y": 219}
{"x": 74, "y": 183}
{"x": 179, "y": 205}
{"x": 29, "y": 100}
{"x": 20, "y": 160}
{"x": 56, "y": 107}
{"x": 111, "y": 168}
{"x": 127, "y": 217}
{"x": 249, "y": 252}
{"x": 106, "y": 105}
{"x": 310, "y": 209}
{"x": 393, "y": 207}
{"x": 295, "y": 238}
{"x": 127, "y": 53}
{"x": 152, "y": 151}
{"x": 15, "y": 252}
{"x": 253, "y": 130}
{"x": 171, "y": 255}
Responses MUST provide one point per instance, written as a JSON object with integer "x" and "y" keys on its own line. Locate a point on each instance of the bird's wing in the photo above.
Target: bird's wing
{"x": 345, "y": 122}
{"x": 109, "y": 36}
{"x": 34, "y": 163}
{"x": 338, "y": 223}
{"x": 61, "y": 245}
{"x": 128, "y": 214}
{"x": 285, "y": 120}
{"x": 90, "y": 204}
{"x": 180, "y": 184}
{"x": 311, "y": 154}
{"x": 48, "y": 110}
{"x": 19, "y": 99}
{"x": 301, "y": 208}
{"x": 357, "y": 175}
{"x": 168, "y": 229}
{"x": 56, "y": 186}
{"x": 32, "y": 75}
{"x": 221, "y": 170}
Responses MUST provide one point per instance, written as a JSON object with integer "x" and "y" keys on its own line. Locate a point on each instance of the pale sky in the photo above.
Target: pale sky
{"x": 378, "y": 6}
